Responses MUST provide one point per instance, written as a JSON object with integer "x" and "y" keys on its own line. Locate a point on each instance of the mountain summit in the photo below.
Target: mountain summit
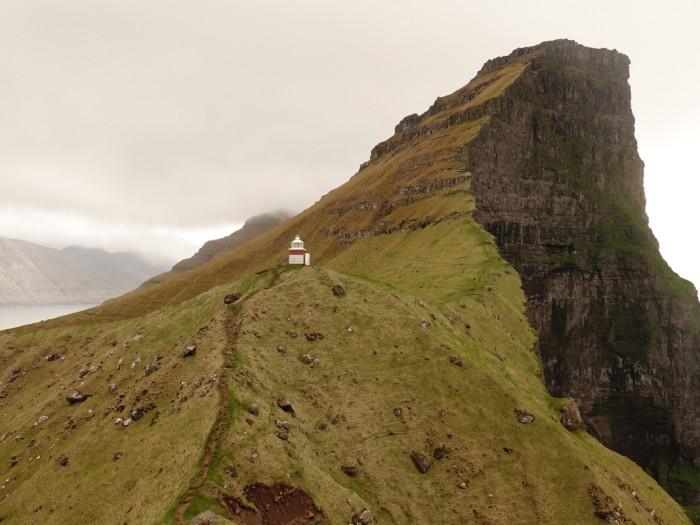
{"x": 398, "y": 379}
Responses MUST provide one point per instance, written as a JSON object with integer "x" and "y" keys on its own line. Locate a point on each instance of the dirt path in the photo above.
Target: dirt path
{"x": 213, "y": 442}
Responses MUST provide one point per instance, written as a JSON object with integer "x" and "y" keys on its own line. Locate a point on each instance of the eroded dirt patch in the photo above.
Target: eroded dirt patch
{"x": 279, "y": 504}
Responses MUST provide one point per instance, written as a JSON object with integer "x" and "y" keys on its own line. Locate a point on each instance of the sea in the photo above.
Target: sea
{"x": 13, "y": 316}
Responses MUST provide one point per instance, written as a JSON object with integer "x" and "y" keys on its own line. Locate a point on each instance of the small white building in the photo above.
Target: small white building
{"x": 297, "y": 253}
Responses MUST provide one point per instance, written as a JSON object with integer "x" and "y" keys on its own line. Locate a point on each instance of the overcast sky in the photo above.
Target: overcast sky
{"x": 154, "y": 125}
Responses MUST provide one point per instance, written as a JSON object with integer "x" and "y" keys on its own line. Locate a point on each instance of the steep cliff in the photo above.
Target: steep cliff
{"x": 559, "y": 183}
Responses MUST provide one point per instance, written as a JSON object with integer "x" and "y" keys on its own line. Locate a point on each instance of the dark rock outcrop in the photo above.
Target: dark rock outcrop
{"x": 559, "y": 183}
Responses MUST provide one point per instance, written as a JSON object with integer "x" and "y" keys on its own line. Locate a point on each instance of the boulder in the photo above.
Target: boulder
{"x": 285, "y": 405}
{"x": 570, "y": 417}
{"x": 421, "y": 462}
{"x": 523, "y": 417}
{"x": 75, "y": 397}
{"x": 232, "y": 298}
{"x": 189, "y": 351}
{"x": 338, "y": 290}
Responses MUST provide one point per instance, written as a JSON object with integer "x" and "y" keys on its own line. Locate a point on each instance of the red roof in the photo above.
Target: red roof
{"x": 296, "y": 252}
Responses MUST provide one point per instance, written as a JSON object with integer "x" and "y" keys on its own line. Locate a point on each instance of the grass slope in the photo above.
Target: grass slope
{"x": 432, "y": 324}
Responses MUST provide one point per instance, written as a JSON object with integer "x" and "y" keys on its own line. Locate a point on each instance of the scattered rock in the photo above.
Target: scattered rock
{"x": 62, "y": 460}
{"x": 285, "y": 405}
{"x": 350, "y": 470}
{"x": 421, "y": 462}
{"x": 350, "y": 330}
{"x": 570, "y": 417}
{"x": 281, "y": 350}
{"x": 13, "y": 461}
{"x": 322, "y": 426}
{"x": 56, "y": 356}
{"x": 41, "y": 420}
{"x": 94, "y": 368}
{"x": 189, "y": 351}
{"x": 253, "y": 409}
{"x": 314, "y": 336}
{"x": 149, "y": 369}
{"x": 83, "y": 372}
{"x": 117, "y": 456}
{"x": 456, "y": 361}
{"x": 231, "y": 471}
{"x": 421, "y": 303}
{"x": 138, "y": 336}
{"x": 127, "y": 422}
{"x": 282, "y": 424}
{"x": 439, "y": 452}
{"x": 398, "y": 411}
{"x": 507, "y": 450}
{"x": 307, "y": 359}
{"x": 293, "y": 335}
{"x": 113, "y": 388}
{"x": 425, "y": 324}
{"x": 75, "y": 396}
{"x": 119, "y": 421}
{"x": 364, "y": 517}
{"x": 284, "y": 436}
{"x": 523, "y": 417}
{"x": 137, "y": 414}
{"x": 338, "y": 290}
{"x": 463, "y": 485}
{"x": 232, "y": 298}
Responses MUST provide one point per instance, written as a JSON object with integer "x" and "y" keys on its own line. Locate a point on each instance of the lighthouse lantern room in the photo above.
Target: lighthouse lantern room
{"x": 297, "y": 253}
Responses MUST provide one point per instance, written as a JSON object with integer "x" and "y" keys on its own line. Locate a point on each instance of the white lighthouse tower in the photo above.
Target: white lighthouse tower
{"x": 297, "y": 253}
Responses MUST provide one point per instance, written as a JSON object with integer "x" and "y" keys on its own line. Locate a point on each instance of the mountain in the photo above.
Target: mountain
{"x": 253, "y": 227}
{"x": 34, "y": 274}
{"x": 397, "y": 380}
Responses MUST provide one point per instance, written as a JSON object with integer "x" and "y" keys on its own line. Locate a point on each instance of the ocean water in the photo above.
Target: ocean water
{"x": 12, "y": 316}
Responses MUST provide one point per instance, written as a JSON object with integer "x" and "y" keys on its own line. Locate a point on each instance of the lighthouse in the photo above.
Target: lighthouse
{"x": 297, "y": 253}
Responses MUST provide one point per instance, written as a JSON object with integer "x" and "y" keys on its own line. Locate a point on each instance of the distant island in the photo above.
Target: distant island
{"x": 31, "y": 274}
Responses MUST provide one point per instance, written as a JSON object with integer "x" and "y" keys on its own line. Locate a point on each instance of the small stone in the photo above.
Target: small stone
{"x": 350, "y": 330}
{"x": 314, "y": 336}
{"x": 14, "y": 374}
{"x": 463, "y": 485}
{"x": 439, "y": 452}
{"x": 119, "y": 421}
{"x": 41, "y": 420}
{"x": 306, "y": 359}
{"x": 282, "y": 424}
{"x": 138, "y": 336}
{"x": 421, "y": 303}
{"x": 117, "y": 455}
{"x": 253, "y": 409}
{"x": 284, "y": 436}
{"x": 62, "y": 460}
{"x": 128, "y": 422}
{"x": 137, "y": 414}
{"x": 364, "y": 517}
{"x": 83, "y": 372}
{"x": 281, "y": 350}
{"x": 350, "y": 470}
{"x": 421, "y": 462}
{"x": 231, "y": 471}
{"x": 425, "y": 324}
{"x": 507, "y": 450}
{"x": 523, "y": 417}
{"x": 113, "y": 388}
{"x": 338, "y": 290}
{"x": 322, "y": 426}
{"x": 149, "y": 369}
{"x": 398, "y": 411}
{"x": 189, "y": 351}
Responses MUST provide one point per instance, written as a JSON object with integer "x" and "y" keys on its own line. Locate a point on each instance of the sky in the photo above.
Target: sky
{"x": 156, "y": 125}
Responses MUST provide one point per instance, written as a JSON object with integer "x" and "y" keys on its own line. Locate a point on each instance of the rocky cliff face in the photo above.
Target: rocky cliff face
{"x": 559, "y": 183}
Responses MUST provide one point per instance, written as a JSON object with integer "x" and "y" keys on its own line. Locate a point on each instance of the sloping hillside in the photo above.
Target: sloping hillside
{"x": 34, "y": 274}
{"x": 409, "y": 393}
